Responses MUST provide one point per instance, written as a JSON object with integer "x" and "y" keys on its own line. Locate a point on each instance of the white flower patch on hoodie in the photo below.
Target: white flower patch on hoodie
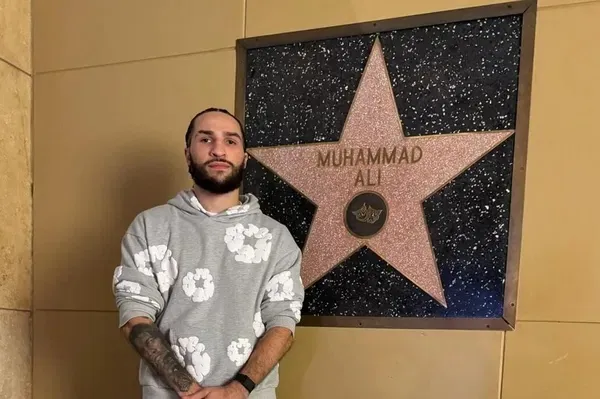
{"x": 168, "y": 265}
{"x": 258, "y": 325}
{"x": 199, "y": 293}
{"x": 192, "y": 355}
{"x": 235, "y": 239}
{"x": 147, "y": 300}
{"x": 280, "y": 287}
{"x": 239, "y": 351}
{"x": 129, "y": 286}
{"x": 142, "y": 262}
{"x": 118, "y": 272}
{"x": 296, "y": 307}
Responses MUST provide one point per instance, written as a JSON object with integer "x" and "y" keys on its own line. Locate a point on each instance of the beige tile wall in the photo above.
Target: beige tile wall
{"x": 15, "y": 200}
{"x": 554, "y": 350}
{"x": 15, "y": 33}
{"x": 15, "y": 188}
{"x": 82, "y": 355}
{"x": 552, "y": 360}
{"x": 349, "y": 363}
{"x": 560, "y": 275}
{"x": 109, "y": 143}
{"x": 139, "y": 30}
{"x": 15, "y": 347}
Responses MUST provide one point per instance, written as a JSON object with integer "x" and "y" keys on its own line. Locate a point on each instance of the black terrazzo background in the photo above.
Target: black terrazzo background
{"x": 455, "y": 77}
{"x": 301, "y": 93}
{"x": 447, "y": 78}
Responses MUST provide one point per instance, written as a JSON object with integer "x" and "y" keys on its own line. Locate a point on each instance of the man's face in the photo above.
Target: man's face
{"x": 215, "y": 156}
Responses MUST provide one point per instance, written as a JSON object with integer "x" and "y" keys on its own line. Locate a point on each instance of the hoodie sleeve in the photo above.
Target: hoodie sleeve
{"x": 284, "y": 294}
{"x": 135, "y": 285}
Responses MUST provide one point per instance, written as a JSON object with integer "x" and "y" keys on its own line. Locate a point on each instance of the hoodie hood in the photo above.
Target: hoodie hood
{"x": 187, "y": 202}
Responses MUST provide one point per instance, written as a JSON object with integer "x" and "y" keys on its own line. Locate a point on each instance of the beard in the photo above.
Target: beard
{"x": 224, "y": 185}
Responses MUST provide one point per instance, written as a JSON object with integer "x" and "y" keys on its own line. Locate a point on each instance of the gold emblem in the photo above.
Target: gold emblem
{"x": 367, "y": 214}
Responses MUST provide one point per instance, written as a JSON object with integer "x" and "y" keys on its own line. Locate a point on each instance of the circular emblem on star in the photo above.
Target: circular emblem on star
{"x": 366, "y": 214}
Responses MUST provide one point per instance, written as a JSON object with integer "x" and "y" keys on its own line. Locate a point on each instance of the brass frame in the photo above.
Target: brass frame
{"x": 526, "y": 8}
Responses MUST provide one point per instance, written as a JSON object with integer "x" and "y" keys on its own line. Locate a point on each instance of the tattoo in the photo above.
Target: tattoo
{"x": 151, "y": 344}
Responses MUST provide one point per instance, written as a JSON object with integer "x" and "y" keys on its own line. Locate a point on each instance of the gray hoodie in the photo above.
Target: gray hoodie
{"x": 213, "y": 283}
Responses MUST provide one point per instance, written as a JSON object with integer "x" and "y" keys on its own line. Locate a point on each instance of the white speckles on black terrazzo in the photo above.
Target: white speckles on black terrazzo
{"x": 455, "y": 77}
{"x": 389, "y": 293}
{"x": 449, "y": 78}
{"x": 301, "y": 93}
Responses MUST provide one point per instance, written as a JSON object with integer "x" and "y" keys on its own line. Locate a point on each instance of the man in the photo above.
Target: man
{"x": 209, "y": 289}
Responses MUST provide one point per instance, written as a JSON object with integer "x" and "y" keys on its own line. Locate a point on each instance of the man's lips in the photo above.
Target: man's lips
{"x": 219, "y": 165}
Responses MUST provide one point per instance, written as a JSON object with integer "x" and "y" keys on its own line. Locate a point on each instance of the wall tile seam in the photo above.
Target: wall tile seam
{"x": 133, "y": 61}
{"x": 15, "y": 310}
{"x": 4, "y": 60}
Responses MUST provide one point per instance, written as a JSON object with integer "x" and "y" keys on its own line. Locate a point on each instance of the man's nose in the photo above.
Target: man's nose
{"x": 217, "y": 149}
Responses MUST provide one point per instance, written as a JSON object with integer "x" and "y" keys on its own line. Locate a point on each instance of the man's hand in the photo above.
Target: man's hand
{"x": 233, "y": 390}
{"x": 199, "y": 394}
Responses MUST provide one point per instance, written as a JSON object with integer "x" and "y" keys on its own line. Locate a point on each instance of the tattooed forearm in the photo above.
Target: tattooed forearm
{"x": 152, "y": 346}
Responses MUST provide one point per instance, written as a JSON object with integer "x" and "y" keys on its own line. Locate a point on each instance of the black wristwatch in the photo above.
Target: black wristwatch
{"x": 245, "y": 381}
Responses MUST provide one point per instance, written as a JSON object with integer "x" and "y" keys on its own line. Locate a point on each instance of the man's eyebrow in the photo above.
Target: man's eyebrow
{"x": 233, "y": 134}
{"x": 228, "y": 134}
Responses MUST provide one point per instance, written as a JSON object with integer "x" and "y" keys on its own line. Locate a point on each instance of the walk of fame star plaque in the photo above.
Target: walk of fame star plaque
{"x": 394, "y": 151}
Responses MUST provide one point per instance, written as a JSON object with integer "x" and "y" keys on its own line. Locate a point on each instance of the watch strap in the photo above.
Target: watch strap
{"x": 245, "y": 381}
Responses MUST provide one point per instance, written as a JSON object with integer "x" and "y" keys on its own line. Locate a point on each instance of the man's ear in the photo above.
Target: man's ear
{"x": 186, "y": 153}
{"x": 246, "y": 156}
